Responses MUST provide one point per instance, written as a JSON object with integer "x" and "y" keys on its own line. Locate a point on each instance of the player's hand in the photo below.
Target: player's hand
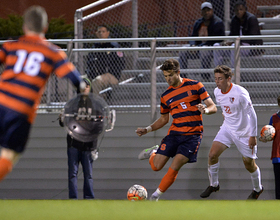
{"x": 262, "y": 139}
{"x": 141, "y": 131}
{"x": 201, "y": 108}
{"x": 94, "y": 154}
{"x": 252, "y": 142}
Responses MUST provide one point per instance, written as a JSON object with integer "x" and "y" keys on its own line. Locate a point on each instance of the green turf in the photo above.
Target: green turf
{"x": 123, "y": 209}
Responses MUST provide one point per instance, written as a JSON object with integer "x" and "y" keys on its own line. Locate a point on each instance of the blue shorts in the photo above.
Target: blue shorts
{"x": 187, "y": 145}
{"x": 14, "y": 129}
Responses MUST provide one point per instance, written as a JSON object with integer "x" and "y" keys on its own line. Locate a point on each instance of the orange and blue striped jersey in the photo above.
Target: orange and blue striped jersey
{"x": 181, "y": 103}
{"x": 29, "y": 61}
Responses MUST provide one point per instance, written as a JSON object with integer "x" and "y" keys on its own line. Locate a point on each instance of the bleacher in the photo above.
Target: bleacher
{"x": 259, "y": 74}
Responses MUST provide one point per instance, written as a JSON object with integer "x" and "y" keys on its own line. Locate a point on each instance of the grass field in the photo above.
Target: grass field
{"x": 123, "y": 209}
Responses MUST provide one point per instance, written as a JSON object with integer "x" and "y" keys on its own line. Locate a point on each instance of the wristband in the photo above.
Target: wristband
{"x": 149, "y": 129}
{"x": 206, "y": 111}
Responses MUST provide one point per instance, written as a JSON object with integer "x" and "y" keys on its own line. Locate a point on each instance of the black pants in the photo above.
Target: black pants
{"x": 276, "y": 167}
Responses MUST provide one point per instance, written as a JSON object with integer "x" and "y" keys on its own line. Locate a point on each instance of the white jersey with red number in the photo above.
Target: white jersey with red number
{"x": 237, "y": 107}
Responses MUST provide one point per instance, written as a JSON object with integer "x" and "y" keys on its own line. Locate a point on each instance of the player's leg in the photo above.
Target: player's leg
{"x": 159, "y": 155}
{"x": 86, "y": 162}
{"x": 213, "y": 168}
{"x": 158, "y": 161}
{"x": 222, "y": 141}
{"x": 184, "y": 149}
{"x": 14, "y": 133}
{"x": 249, "y": 156}
{"x": 171, "y": 175}
{"x": 8, "y": 158}
{"x": 255, "y": 173}
{"x": 276, "y": 168}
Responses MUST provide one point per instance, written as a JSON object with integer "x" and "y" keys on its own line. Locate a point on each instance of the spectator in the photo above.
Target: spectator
{"x": 104, "y": 67}
{"x": 242, "y": 23}
{"x": 275, "y": 154}
{"x": 208, "y": 25}
{"x": 80, "y": 152}
{"x": 30, "y": 61}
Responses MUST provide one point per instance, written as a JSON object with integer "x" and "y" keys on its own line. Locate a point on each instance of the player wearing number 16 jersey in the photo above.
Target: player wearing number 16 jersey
{"x": 239, "y": 128}
{"x": 182, "y": 100}
{"x": 29, "y": 61}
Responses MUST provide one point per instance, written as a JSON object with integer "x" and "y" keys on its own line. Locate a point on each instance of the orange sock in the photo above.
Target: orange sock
{"x": 168, "y": 180}
{"x": 6, "y": 167}
{"x": 151, "y": 161}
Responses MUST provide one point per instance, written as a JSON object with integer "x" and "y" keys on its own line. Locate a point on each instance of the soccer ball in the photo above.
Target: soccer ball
{"x": 268, "y": 132}
{"x": 137, "y": 192}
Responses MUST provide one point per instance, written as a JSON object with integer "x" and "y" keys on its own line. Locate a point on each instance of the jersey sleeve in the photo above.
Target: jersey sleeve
{"x": 64, "y": 68}
{"x": 246, "y": 103}
{"x": 202, "y": 92}
{"x": 164, "y": 109}
{"x": 245, "y": 99}
{"x": 3, "y": 53}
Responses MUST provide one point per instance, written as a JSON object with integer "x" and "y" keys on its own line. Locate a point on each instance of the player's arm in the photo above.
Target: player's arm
{"x": 65, "y": 69}
{"x": 159, "y": 123}
{"x": 253, "y": 126}
{"x": 210, "y": 107}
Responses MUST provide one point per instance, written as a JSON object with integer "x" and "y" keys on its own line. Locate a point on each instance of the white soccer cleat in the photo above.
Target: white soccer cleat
{"x": 145, "y": 154}
{"x": 154, "y": 198}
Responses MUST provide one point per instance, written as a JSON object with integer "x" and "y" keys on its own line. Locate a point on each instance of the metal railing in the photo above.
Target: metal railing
{"x": 151, "y": 55}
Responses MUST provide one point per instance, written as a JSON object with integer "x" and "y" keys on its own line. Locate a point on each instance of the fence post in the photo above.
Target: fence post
{"x": 237, "y": 61}
{"x": 227, "y": 14}
{"x": 135, "y": 30}
{"x": 78, "y": 34}
{"x": 153, "y": 81}
{"x": 69, "y": 94}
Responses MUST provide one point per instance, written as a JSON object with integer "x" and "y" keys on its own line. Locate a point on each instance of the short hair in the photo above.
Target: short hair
{"x": 103, "y": 25}
{"x": 240, "y": 2}
{"x": 170, "y": 64}
{"x": 35, "y": 19}
{"x": 224, "y": 70}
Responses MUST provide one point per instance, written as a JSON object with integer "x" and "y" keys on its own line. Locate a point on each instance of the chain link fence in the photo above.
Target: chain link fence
{"x": 151, "y": 31}
{"x": 142, "y": 86}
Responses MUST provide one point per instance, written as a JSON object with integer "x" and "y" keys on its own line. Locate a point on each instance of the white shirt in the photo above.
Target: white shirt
{"x": 239, "y": 115}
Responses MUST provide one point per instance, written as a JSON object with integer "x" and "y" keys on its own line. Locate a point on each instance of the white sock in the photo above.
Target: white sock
{"x": 256, "y": 180}
{"x": 213, "y": 174}
{"x": 157, "y": 193}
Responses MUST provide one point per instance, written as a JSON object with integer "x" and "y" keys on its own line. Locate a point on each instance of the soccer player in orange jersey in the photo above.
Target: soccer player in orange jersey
{"x": 182, "y": 100}
{"x": 29, "y": 61}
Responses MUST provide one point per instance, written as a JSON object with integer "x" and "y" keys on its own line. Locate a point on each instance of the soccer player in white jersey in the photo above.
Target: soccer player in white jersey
{"x": 239, "y": 128}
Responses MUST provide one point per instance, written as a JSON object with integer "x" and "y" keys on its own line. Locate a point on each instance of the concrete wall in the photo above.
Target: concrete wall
{"x": 42, "y": 171}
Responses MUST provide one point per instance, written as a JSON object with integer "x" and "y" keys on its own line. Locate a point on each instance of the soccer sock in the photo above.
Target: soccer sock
{"x": 256, "y": 180}
{"x": 6, "y": 167}
{"x": 157, "y": 193}
{"x": 213, "y": 174}
{"x": 151, "y": 161}
{"x": 167, "y": 180}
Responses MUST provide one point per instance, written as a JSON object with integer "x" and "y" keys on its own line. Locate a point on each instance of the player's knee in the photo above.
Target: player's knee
{"x": 250, "y": 165}
{"x": 213, "y": 158}
{"x": 155, "y": 167}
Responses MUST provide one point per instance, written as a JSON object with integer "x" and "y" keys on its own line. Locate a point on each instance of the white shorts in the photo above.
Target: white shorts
{"x": 242, "y": 143}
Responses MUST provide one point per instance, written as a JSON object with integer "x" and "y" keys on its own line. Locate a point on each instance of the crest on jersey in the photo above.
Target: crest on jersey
{"x": 231, "y": 99}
